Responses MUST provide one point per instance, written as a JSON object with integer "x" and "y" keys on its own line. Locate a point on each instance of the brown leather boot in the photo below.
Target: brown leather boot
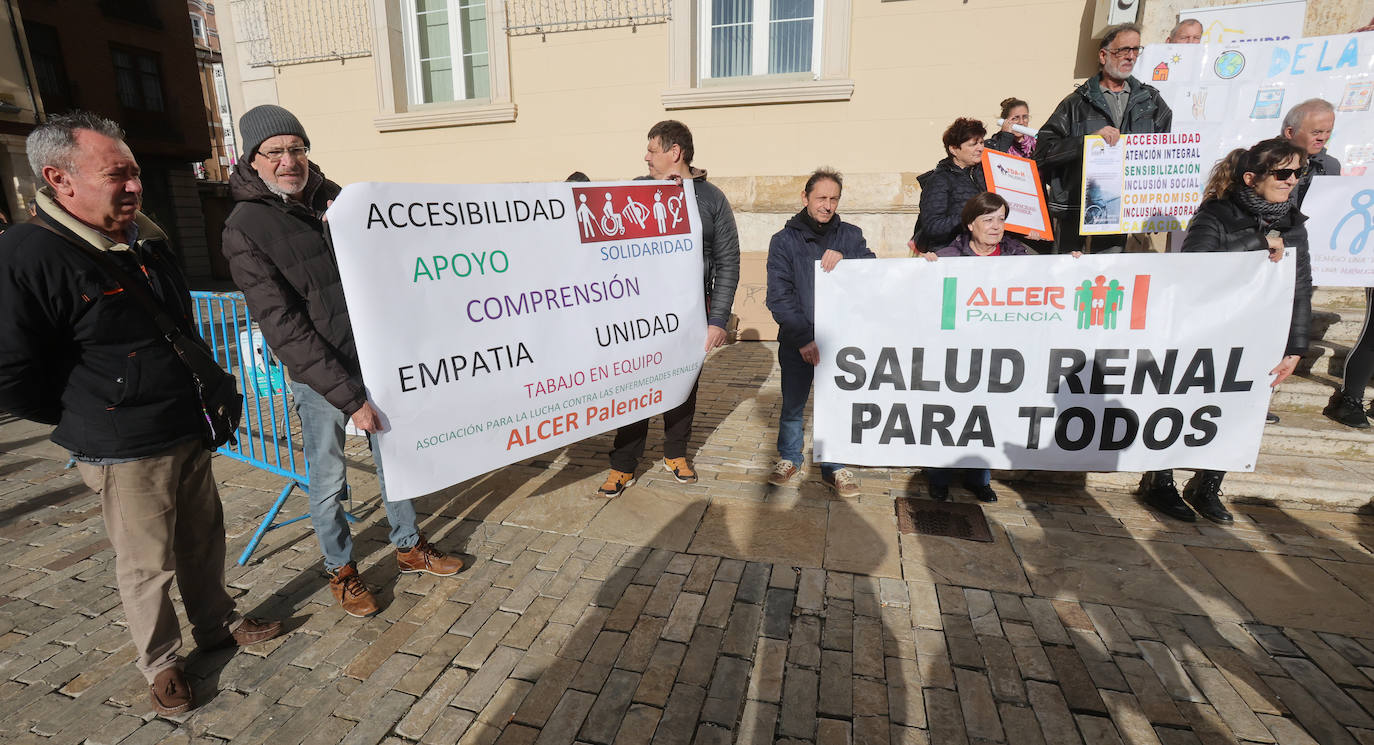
{"x": 348, "y": 588}
{"x": 423, "y": 557}
{"x": 170, "y": 693}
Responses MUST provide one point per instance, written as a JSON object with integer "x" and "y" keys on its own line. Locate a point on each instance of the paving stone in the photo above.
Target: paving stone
{"x": 700, "y": 657}
{"x": 1020, "y": 725}
{"x": 1052, "y": 711}
{"x": 1207, "y": 724}
{"x": 1130, "y": 721}
{"x": 547, "y": 692}
{"x": 965, "y": 652}
{"x": 1046, "y": 621}
{"x": 1229, "y": 705}
{"x": 638, "y": 725}
{"x": 730, "y": 570}
{"x": 627, "y": 611}
{"x": 765, "y": 681}
{"x": 639, "y": 647}
{"x": 679, "y": 719}
{"x": 933, "y": 658}
{"x": 925, "y": 604}
{"x": 422, "y": 715}
{"x": 1097, "y": 730}
{"x": 1245, "y": 681}
{"x": 489, "y": 677}
{"x": 664, "y": 596}
{"x": 486, "y": 640}
{"x": 1170, "y": 673}
{"x": 726, "y": 694}
{"x": 757, "y": 723}
{"x": 838, "y": 626}
{"x": 1345, "y": 710}
{"x": 566, "y": 719}
{"x": 946, "y": 721}
{"x": 979, "y": 709}
{"x": 1286, "y": 731}
{"x": 719, "y": 602}
{"x": 1154, "y": 701}
{"x": 657, "y": 681}
{"x": 604, "y": 717}
{"x": 742, "y": 632}
{"x": 799, "y": 694}
{"x": 583, "y": 634}
{"x": 905, "y": 704}
{"x": 753, "y": 582}
{"x": 836, "y": 685}
{"x": 1003, "y": 673}
{"x": 683, "y": 617}
{"x": 868, "y": 647}
{"x": 1074, "y": 680}
{"x": 1272, "y": 639}
{"x": 833, "y": 732}
{"x": 777, "y": 618}
{"x": 1349, "y": 648}
{"x": 804, "y": 646}
{"x": 1333, "y": 664}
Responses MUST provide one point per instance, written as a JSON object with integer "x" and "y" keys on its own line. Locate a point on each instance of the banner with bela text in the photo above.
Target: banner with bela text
{"x": 1127, "y": 362}
{"x": 496, "y": 322}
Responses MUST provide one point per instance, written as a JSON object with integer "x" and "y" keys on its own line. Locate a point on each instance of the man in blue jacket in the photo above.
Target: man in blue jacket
{"x": 816, "y": 233}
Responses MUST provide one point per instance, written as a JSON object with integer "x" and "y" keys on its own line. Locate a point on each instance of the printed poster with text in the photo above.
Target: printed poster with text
{"x": 1340, "y": 230}
{"x": 1126, "y": 362}
{"x": 1017, "y": 180}
{"x": 496, "y": 322}
{"x": 1145, "y": 183}
{"x": 1237, "y": 94}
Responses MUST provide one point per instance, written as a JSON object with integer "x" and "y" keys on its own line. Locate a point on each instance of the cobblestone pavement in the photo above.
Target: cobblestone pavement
{"x": 720, "y": 612}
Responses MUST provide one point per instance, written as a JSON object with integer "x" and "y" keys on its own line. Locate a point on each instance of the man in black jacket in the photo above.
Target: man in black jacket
{"x": 78, "y": 352}
{"x": 280, "y": 257}
{"x": 669, "y": 156}
{"x": 1109, "y": 104}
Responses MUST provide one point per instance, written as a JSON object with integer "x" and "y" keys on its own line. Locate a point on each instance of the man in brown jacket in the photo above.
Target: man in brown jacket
{"x": 281, "y": 258}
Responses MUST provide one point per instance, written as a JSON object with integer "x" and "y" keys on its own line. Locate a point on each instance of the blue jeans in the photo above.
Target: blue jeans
{"x": 796, "y": 388}
{"x": 972, "y": 476}
{"x": 322, "y": 430}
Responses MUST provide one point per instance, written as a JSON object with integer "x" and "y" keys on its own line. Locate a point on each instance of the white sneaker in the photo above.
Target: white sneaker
{"x": 783, "y": 472}
{"x": 844, "y": 482}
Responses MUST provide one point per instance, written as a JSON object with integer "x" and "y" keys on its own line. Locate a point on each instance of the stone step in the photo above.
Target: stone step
{"x": 1287, "y": 481}
{"x": 1304, "y": 433}
{"x": 1338, "y": 296}
{"x": 1337, "y": 323}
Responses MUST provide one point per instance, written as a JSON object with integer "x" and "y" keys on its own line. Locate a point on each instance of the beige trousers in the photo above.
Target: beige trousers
{"x": 164, "y": 519}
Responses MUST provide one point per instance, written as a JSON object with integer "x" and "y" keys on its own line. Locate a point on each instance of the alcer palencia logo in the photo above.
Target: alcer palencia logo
{"x": 1098, "y": 302}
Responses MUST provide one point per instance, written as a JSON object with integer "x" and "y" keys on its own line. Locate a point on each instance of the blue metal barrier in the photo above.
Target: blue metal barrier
{"x": 269, "y": 435}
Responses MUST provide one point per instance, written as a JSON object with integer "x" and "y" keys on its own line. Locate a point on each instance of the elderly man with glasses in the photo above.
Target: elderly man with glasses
{"x": 281, "y": 258}
{"x": 1109, "y": 104}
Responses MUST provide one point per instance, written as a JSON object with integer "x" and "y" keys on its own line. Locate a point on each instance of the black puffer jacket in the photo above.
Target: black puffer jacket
{"x": 1059, "y": 145}
{"x": 280, "y": 257}
{"x": 1225, "y": 225}
{"x": 77, "y": 351}
{"x": 944, "y": 192}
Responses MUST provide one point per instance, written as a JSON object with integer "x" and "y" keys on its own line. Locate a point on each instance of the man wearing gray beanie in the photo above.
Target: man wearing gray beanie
{"x": 279, "y": 256}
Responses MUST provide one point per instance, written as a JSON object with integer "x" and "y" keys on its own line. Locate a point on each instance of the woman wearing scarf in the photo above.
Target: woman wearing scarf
{"x": 1248, "y": 205}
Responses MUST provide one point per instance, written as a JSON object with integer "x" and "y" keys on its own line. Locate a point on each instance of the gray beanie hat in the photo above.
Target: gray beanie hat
{"x": 267, "y": 120}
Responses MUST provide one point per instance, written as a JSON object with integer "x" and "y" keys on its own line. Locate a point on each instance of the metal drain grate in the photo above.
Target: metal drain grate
{"x": 925, "y": 517}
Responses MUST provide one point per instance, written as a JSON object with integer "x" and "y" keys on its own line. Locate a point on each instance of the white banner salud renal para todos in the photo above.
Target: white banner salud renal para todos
{"x": 496, "y": 322}
{"x": 1102, "y": 363}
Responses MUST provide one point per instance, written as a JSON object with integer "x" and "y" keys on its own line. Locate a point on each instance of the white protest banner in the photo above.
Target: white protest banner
{"x": 1145, "y": 183}
{"x": 1237, "y": 94}
{"x": 1250, "y": 22}
{"x": 1017, "y": 180}
{"x": 1340, "y": 230}
{"x": 496, "y": 322}
{"x": 1129, "y": 362}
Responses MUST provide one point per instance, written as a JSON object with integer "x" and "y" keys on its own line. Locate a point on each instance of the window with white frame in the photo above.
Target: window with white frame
{"x": 446, "y": 50}
{"x": 759, "y": 37}
{"x": 197, "y": 26}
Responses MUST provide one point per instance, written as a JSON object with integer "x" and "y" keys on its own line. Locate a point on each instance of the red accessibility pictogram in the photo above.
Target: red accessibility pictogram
{"x": 613, "y": 213}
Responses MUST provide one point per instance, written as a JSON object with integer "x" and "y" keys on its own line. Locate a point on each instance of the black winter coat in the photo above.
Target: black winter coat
{"x": 792, "y": 256}
{"x": 1225, "y": 225}
{"x": 1059, "y": 145}
{"x": 280, "y": 257}
{"x": 1321, "y": 164}
{"x": 77, "y": 351}
{"x": 944, "y": 192}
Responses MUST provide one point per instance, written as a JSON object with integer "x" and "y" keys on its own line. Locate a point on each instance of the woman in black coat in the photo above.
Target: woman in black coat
{"x": 946, "y": 189}
{"x": 1248, "y": 206}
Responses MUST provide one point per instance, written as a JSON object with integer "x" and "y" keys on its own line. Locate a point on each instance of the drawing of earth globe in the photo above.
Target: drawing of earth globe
{"x": 1229, "y": 64}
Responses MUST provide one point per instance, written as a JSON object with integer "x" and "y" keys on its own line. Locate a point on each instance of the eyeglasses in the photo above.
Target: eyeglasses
{"x": 1123, "y": 51}
{"x": 1283, "y": 174}
{"x": 275, "y": 156}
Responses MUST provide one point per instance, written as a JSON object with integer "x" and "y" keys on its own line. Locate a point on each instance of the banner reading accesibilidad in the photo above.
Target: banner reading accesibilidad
{"x": 1237, "y": 94}
{"x": 1102, "y": 363}
{"x": 497, "y": 322}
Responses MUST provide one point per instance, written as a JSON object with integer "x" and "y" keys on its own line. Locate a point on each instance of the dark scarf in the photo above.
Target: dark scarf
{"x": 1268, "y": 212}
{"x": 822, "y": 230}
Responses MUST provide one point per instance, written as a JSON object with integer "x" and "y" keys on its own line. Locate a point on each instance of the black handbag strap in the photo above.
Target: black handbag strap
{"x": 195, "y": 355}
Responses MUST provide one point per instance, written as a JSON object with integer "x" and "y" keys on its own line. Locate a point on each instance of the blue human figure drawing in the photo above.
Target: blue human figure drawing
{"x": 1361, "y": 218}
